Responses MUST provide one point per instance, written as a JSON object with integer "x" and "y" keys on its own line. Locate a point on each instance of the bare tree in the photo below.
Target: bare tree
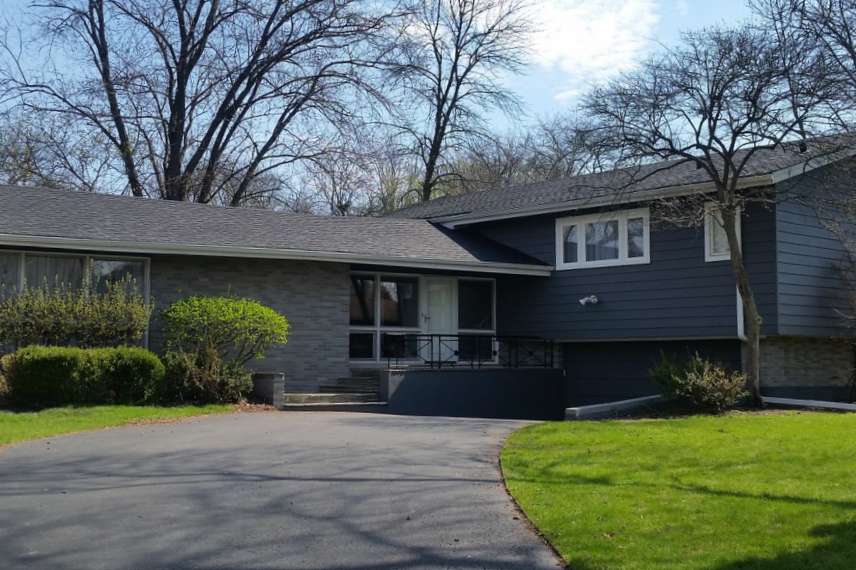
{"x": 713, "y": 102}
{"x": 453, "y": 53}
{"x": 199, "y": 99}
{"x": 44, "y": 151}
{"x": 560, "y": 147}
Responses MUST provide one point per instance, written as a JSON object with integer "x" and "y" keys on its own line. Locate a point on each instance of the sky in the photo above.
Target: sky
{"x": 578, "y": 43}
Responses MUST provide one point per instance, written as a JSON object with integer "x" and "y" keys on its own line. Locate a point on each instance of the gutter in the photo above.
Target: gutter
{"x": 110, "y": 246}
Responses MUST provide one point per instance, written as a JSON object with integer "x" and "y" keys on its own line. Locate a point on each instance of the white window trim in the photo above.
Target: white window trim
{"x": 580, "y": 221}
{"x": 710, "y": 223}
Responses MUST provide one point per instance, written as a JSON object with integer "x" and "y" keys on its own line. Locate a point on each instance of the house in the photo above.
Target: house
{"x": 577, "y": 276}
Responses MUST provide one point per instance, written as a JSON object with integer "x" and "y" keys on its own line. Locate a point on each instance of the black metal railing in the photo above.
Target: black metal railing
{"x": 470, "y": 350}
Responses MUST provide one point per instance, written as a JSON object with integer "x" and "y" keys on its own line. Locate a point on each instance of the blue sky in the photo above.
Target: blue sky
{"x": 581, "y": 42}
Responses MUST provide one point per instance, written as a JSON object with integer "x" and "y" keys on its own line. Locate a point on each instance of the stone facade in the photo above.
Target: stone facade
{"x": 810, "y": 368}
{"x": 313, "y": 295}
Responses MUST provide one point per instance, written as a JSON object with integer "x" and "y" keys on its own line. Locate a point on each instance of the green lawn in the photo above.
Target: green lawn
{"x": 19, "y": 426}
{"x": 772, "y": 492}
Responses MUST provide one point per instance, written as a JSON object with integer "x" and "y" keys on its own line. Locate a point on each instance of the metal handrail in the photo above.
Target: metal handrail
{"x": 471, "y": 350}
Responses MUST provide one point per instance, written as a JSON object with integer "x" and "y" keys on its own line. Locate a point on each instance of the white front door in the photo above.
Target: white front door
{"x": 440, "y": 317}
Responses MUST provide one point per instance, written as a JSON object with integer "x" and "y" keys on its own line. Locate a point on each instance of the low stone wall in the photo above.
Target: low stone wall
{"x": 807, "y": 368}
{"x": 513, "y": 393}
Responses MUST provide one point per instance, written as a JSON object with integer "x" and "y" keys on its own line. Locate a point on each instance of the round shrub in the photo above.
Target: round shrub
{"x": 209, "y": 341}
{"x": 238, "y": 329}
{"x": 51, "y": 376}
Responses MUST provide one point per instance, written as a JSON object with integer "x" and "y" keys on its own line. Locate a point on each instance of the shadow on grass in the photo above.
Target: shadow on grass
{"x": 837, "y": 552}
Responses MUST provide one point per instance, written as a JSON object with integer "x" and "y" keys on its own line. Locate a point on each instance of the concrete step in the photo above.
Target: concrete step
{"x": 351, "y": 385}
{"x": 330, "y": 398}
{"x": 369, "y": 407}
{"x": 348, "y": 389}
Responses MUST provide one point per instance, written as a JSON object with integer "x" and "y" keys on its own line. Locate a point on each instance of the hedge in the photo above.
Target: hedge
{"x": 38, "y": 376}
{"x": 84, "y": 317}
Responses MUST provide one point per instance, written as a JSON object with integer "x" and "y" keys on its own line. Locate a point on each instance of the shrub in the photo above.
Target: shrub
{"x": 63, "y": 316}
{"x": 203, "y": 377}
{"x": 238, "y": 329}
{"x": 700, "y": 383}
{"x": 209, "y": 340}
{"x": 50, "y": 376}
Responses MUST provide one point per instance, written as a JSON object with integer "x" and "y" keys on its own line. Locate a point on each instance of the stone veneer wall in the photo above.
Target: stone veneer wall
{"x": 807, "y": 368}
{"x": 313, "y": 295}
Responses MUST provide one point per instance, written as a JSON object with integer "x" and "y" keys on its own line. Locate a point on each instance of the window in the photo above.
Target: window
{"x": 383, "y": 309}
{"x": 399, "y": 301}
{"x": 475, "y": 305}
{"x": 601, "y": 240}
{"x": 361, "y": 345}
{"x": 386, "y": 315}
{"x": 715, "y": 241}
{"x": 362, "y": 300}
{"x": 53, "y": 271}
{"x": 70, "y": 270}
{"x": 104, "y": 271}
{"x": 9, "y": 267}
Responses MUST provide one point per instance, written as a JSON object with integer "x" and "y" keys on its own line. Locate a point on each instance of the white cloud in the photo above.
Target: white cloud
{"x": 590, "y": 40}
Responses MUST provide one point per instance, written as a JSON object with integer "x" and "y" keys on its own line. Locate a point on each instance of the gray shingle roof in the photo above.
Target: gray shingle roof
{"x": 623, "y": 185}
{"x": 152, "y": 225}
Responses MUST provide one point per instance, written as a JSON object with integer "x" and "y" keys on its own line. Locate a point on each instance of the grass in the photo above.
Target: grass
{"x": 21, "y": 426}
{"x": 762, "y": 491}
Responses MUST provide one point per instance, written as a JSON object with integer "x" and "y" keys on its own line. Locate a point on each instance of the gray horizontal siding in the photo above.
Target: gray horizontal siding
{"x": 811, "y": 292}
{"x": 677, "y": 295}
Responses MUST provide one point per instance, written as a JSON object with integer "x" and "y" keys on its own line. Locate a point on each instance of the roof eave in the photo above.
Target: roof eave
{"x": 453, "y": 222}
{"x": 111, "y": 246}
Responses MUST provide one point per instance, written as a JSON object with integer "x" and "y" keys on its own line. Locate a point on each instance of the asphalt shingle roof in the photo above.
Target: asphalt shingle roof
{"x": 41, "y": 212}
{"x": 625, "y": 185}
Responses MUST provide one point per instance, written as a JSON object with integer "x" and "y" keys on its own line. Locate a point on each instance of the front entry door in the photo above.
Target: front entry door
{"x": 440, "y": 317}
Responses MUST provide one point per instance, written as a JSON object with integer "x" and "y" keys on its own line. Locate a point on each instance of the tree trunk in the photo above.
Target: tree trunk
{"x": 752, "y": 317}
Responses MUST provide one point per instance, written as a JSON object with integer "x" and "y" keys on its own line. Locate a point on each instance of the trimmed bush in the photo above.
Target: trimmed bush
{"x": 238, "y": 329}
{"x": 64, "y": 316}
{"x": 51, "y": 376}
{"x": 209, "y": 341}
{"x": 700, "y": 383}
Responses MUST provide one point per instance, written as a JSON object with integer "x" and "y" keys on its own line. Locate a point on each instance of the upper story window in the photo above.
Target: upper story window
{"x": 602, "y": 240}
{"x": 716, "y": 246}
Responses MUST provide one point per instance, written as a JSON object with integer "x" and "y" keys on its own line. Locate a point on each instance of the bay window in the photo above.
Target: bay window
{"x": 601, "y": 240}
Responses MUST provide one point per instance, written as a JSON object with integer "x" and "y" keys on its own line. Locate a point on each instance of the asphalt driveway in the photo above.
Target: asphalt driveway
{"x": 294, "y": 490}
